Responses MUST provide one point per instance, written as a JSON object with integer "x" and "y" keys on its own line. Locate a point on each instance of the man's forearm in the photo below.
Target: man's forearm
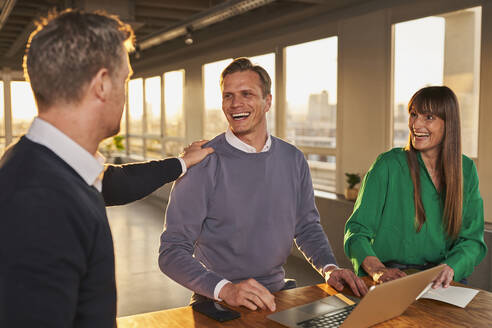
{"x": 123, "y": 184}
{"x": 177, "y": 262}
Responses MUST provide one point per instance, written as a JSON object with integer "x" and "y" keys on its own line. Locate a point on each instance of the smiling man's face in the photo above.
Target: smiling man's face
{"x": 244, "y": 104}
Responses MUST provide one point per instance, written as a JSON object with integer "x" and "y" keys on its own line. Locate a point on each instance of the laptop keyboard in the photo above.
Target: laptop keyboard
{"x": 328, "y": 320}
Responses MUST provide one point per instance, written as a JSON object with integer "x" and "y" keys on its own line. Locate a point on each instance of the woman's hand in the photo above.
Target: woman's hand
{"x": 444, "y": 278}
{"x": 387, "y": 274}
{"x": 378, "y": 272}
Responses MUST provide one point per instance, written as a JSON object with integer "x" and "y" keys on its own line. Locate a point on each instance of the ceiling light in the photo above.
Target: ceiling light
{"x": 214, "y": 15}
{"x": 188, "y": 37}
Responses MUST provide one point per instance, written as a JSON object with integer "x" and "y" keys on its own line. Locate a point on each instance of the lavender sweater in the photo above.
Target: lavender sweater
{"x": 234, "y": 216}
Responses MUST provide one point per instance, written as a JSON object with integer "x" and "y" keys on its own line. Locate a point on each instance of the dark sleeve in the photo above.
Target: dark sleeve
{"x": 123, "y": 184}
{"x": 43, "y": 261}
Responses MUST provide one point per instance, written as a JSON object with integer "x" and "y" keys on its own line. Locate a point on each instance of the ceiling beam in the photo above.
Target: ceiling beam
{"x": 10, "y": 35}
{"x": 25, "y": 11}
{"x": 314, "y": 2}
{"x": 6, "y": 10}
{"x": 173, "y": 4}
{"x": 156, "y": 21}
{"x": 158, "y": 13}
{"x": 19, "y": 20}
{"x": 21, "y": 41}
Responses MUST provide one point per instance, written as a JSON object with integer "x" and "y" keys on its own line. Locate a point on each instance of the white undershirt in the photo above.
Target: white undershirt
{"x": 241, "y": 145}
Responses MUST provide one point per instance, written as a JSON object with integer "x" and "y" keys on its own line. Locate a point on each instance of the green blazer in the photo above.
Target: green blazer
{"x": 383, "y": 221}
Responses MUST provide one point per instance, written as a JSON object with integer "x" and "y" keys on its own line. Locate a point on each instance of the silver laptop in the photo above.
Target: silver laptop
{"x": 381, "y": 303}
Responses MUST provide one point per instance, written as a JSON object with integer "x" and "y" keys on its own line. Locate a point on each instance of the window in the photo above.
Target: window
{"x": 311, "y": 101}
{"x": 174, "y": 129}
{"x": 268, "y": 63}
{"x": 438, "y": 50}
{"x": 215, "y": 121}
{"x": 2, "y": 120}
{"x": 153, "y": 133}
{"x": 153, "y": 105}
{"x": 23, "y": 107}
{"x": 135, "y": 107}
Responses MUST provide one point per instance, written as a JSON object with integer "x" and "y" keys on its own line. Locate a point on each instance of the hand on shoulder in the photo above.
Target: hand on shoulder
{"x": 194, "y": 153}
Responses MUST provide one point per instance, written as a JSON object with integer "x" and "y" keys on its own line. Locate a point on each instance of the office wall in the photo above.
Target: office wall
{"x": 363, "y": 111}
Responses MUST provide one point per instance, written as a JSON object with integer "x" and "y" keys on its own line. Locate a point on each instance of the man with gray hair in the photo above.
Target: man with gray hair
{"x": 231, "y": 220}
{"x": 56, "y": 247}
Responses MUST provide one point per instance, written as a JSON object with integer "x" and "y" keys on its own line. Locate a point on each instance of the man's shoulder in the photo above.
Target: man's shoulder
{"x": 30, "y": 166}
{"x": 210, "y": 162}
{"x": 283, "y": 147}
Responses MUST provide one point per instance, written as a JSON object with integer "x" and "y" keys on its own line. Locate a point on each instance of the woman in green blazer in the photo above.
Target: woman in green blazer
{"x": 420, "y": 205}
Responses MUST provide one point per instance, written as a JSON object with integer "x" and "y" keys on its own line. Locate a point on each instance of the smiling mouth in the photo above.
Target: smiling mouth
{"x": 240, "y": 116}
{"x": 420, "y": 134}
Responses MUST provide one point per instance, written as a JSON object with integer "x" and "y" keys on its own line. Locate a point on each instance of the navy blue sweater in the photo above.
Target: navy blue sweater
{"x": 56, "y": 249}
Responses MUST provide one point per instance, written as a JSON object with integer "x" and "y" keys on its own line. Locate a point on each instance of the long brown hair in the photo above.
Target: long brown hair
{"x": 442, "y": 102}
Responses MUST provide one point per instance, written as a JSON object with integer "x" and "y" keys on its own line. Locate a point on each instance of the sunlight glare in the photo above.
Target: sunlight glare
{"x": 211, "y": 79}
{"x": 23, "y": 104}
{"x": 135, "y": 93}
{"x": 173, "y": 95}
{"x": 419, "y": 56}
{"x": 311, "y": 68}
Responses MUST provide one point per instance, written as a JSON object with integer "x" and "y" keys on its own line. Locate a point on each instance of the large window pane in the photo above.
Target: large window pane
{"x": 439, "y": 50}
{"x": 153, "y": 105}
{"x": 215, "y": 121}
{"x": 173, "y": 99}
{"x": 323, "y": 170}
{"x": 268, "y": 63}
{"x": 311, "y": 101}
{"x": 23, "y": 107}
{"x": 135, "y": 105}
{"x": 2, "y": 120}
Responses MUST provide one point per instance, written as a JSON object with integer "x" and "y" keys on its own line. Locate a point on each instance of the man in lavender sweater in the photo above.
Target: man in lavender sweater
{"x": 231, "y": 220}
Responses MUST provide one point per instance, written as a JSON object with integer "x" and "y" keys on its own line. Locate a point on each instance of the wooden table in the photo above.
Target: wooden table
{"x": 422, "y": 313}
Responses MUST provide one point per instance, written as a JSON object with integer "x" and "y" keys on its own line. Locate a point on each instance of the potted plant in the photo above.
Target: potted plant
{"x": 110, "y": 146}
{"x": 351, "y": 191}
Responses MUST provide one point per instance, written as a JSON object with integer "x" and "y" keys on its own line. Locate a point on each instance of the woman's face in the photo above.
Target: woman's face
{"x": 426, "y": 131}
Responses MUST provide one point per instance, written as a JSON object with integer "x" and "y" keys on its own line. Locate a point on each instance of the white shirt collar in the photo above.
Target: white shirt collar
{"x": 241, "y": 145}
{"x": 88, "y": 166}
